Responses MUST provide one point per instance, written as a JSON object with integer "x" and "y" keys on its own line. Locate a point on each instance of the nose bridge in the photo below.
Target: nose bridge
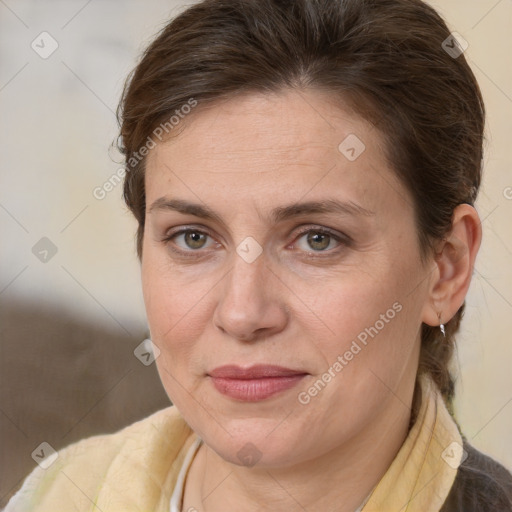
{"x": 244, "y": 286}
{"x": 248, "y": 302}
{"x": 249, "y": 265}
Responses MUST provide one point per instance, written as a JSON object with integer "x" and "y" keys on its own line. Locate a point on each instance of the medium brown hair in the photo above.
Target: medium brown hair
{"x": 386, "y": 58}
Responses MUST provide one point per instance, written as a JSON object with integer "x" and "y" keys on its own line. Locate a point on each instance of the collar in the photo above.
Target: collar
{"x": 424, "y": 469}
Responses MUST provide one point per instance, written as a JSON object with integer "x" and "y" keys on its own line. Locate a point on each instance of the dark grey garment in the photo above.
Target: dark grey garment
{"x": 481, "y": 485}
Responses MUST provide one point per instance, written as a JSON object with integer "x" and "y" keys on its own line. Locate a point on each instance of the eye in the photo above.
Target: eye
{"x": 188, "y": 240}
{"x": 320, "y": 240}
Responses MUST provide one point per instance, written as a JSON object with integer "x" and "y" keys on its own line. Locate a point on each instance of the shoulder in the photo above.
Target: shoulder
{"x": 481, "y": 485}
{"x": 111, "y": 467}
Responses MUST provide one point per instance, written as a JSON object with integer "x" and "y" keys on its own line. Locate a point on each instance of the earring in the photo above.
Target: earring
{"x": 441, "y": 325}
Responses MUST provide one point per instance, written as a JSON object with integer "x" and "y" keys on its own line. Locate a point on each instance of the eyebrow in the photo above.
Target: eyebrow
{"x": 277, "y": 214}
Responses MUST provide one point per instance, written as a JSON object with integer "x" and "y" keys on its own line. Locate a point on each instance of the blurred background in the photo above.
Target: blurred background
{"x": 71, "y": 309}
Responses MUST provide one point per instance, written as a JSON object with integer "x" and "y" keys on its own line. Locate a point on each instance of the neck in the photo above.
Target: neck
{"x": 338, "y": 480}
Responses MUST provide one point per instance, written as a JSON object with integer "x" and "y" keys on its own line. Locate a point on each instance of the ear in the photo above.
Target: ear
{"x": 453, "y": 266}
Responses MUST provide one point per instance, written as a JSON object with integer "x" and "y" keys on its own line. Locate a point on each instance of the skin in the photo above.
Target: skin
{"x": 298, "y": 304}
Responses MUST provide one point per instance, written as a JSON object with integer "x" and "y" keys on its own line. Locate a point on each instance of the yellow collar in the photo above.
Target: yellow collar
{"x": 422, "y": 473}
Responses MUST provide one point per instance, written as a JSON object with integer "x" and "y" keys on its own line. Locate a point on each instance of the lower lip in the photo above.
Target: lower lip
{"x": 254, "y": 390}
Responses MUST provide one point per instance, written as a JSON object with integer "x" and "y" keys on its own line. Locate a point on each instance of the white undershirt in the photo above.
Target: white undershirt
{"x": 177, "y": 494}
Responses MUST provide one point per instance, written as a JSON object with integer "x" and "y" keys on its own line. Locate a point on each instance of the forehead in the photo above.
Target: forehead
{"x": 270, "y": 124}
{"x": 292, "y": 143}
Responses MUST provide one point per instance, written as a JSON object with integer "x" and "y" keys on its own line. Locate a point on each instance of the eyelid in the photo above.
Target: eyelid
{"x": 183, "y": 229}
{"x": 321, "y": 229}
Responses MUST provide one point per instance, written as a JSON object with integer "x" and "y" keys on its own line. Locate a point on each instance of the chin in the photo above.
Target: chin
{"x": 255, "y": 446}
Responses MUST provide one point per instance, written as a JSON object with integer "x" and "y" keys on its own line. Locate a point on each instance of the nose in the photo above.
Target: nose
{"x": 251, "y": 303}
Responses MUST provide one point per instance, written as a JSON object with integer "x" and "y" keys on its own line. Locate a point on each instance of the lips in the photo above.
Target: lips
{"x": 254, "y": 383}
{"x": 259, "y": 371}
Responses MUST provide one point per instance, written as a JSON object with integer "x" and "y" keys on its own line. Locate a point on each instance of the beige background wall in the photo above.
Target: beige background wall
{"x": 57, "y": 121}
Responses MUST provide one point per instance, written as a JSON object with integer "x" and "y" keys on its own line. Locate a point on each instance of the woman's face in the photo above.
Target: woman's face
{"x": 301, "y": 252}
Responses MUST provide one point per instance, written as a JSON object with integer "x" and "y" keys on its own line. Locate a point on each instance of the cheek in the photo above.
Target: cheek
{"x": 371, "y": 318}
{"x": 176, "y": 317}
{"x": 175, "y": 301}
{"x": 178, "y": 311}
{"x": 350, "y": 302}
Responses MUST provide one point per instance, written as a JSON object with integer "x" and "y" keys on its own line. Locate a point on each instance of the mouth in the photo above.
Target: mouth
{"x": 255, "y": 383}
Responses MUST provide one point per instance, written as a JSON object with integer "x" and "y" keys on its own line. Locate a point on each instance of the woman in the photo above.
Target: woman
{"x": 303, "y": 174}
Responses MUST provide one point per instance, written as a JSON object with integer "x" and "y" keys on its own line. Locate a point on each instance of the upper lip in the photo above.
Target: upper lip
{"x": 253, "y": 372}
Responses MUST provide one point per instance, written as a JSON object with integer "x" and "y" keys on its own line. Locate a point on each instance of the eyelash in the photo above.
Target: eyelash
{"x": 343, "y": 241}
